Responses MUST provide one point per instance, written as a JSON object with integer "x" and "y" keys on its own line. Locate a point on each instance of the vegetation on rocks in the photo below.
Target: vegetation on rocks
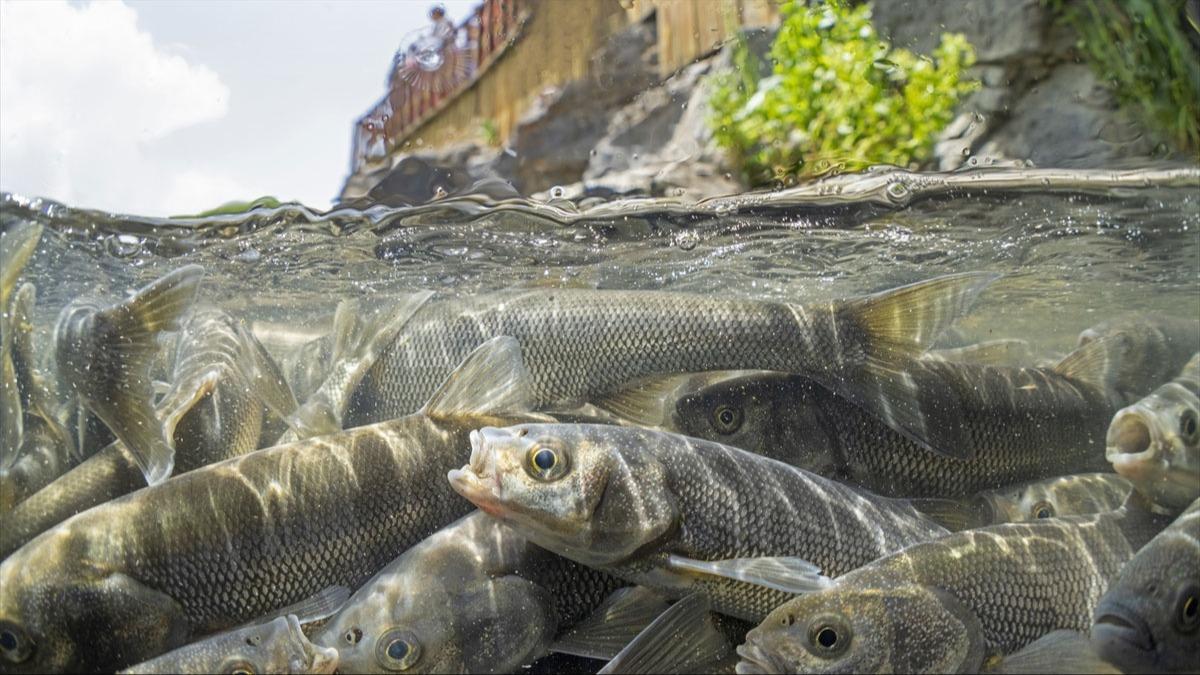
{"x": 1141, "y": 50}
{"x": 838, "y": 97}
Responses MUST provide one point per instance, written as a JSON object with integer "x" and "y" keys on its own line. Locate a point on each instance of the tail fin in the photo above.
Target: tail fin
{"x": 897, "y": 326}
{"x": 127, "y": 343}
{"x": 361, "y": 336}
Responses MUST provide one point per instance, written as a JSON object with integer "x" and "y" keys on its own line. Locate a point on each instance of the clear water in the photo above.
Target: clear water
{"x": 1075, "y": 248}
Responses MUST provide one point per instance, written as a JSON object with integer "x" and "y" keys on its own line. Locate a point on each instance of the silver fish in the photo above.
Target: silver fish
{"x": 279, "y": 646}
{"x": 103, "y": 354}
{"x": 1149, "y": 620}
{"x": 677, "y": 514}
{"x": 582, "y": 344}
{"x": 225, "y": 387}
{"x": 953, "y": 604}
{"x": 476, "y": 597}
{"x": 1010, "y": 416}
{"x": 1155, "y": 443}
{"x": 1152, "y": 350}
{"x": 228, "y": 543}
{"x": 17, "y": 245}
{"x": 1075, "y": 495}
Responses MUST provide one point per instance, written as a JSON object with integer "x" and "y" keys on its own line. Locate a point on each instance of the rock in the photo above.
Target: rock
{"x": 553, "y": 142}
{"x": 1002, "y": 31}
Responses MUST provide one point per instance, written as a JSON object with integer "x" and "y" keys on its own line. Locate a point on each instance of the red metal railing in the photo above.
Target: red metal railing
{"x": 416, "y": 91}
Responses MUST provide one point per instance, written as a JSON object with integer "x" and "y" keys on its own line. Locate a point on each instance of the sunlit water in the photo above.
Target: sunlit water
{"x": 1075, "y": 248}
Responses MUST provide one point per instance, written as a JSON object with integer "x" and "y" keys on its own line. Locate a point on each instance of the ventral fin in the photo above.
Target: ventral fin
{"x": 614, "y": 624}
{"x": 681, "y": 640}
{"x": 1063, "y": 651}
{"x": 790, "y": 575}
{"x": 492, "y": 379}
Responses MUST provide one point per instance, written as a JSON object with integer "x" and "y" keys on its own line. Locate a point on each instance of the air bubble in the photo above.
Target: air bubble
{"x": 898, "y": 191}
{"x": 558, "y": 192}
{"x": 123, "y": 245}
{"x": 687, "y": 239}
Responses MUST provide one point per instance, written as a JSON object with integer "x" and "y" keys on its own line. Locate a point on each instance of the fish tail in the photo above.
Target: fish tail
{"x": 132, "y": 328}
{"x": 16, "y": 247}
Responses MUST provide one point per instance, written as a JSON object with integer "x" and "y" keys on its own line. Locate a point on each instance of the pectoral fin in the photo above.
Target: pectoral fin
{"x": 790, "y": 575}
{"x": 1063, "y": 651}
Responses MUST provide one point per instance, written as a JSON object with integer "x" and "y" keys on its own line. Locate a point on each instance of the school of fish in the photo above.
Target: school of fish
{"x": 571, "y": 480}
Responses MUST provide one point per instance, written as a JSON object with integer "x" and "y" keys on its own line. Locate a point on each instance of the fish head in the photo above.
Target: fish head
{"x": 437, "y": 609}
{"x": 760, "y": 413}
{"x": 885, "y": 628}
{"x": 592, "y": 493}
{"x": 1149, "y": 621}
{"x": 1155, "y": 443}
{"x": 62, "y": 608}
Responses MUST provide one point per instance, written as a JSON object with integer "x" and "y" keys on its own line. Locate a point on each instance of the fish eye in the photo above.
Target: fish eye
{"x": 1187, "y": 613}
{"x": 1189, "y": 428}
{"x": 828, "y": 636}
{"x": 1042, "y": 510}
{"x": 727, "y": 419}
{"x": 398, "y": 650}
{"x": 546, "y": 463}
{"x": 352, "y": 636}
{"x": 15, "y": 646}
{"x": 238, "y": 667}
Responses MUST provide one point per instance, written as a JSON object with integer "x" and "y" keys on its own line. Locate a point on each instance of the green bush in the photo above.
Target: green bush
{"x": 1140, "y": 49}
{"x": 838, "y": 97}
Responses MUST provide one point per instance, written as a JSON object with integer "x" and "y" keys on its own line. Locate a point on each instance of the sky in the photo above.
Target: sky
{"x": 162, "y": 107}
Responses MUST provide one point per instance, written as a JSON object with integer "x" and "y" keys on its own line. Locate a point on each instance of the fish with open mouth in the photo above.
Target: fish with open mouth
{"x": 1149, "y": 620}
{"x": 1155, "y": 443}
{"x": 680, "y": 515}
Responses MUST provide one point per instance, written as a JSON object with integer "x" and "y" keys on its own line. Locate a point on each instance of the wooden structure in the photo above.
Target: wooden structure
{"x": 515, "y": 49}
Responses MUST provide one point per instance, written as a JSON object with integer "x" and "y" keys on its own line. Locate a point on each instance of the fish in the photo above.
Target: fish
{"x": 103, "y": 354}
{"x": 1153, "y": 348}
{"x": 47, "y": 448}
{"x": 1061, "y": 651}
{"x": 679, "y": 515}
{"x": 224, "y": 544}
{"x": 1155, "y": 443}
{"x": 1010, "y": 418}
{"x": 279, "y": 646}
{"x": 1075, "y": 495}
{"x": 224, "y": 389}
{"x": 1149, "y": 620}
{"x": 17, "y": 245}
{"x": 1006, "y": 352}
{"x": 956, "y": 603}
{"x": 477, "y": 597}
{"x": 582, "y": 344}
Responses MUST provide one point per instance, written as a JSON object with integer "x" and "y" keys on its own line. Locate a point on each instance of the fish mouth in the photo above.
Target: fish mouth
{"x": 472, "y": 480}
{"x": 325, "y": 660}
{"x": 755, "y": 661}
{"x": 1117, "y": 628}
{"x": 1132, "y": 443}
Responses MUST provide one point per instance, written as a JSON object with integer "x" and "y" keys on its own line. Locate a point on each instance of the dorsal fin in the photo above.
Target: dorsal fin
{"x": 1096, "y": 363}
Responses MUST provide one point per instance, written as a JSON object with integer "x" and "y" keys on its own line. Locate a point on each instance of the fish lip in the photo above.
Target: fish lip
{"x": 471, "y": 480}
{"x": 1133, "y": 420}
{"x": 1116, "y": 623}
{"x": 325, "y": 660}
{"x": 754, "y": 661}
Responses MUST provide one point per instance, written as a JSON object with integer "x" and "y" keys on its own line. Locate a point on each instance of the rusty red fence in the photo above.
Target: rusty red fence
{"x": 414, "y": 96}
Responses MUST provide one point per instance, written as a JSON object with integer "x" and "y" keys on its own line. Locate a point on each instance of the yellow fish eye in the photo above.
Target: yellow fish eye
{"x": 542, "y": 460}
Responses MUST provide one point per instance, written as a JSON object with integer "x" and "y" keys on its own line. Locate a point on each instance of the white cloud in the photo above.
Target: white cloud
{"x": 84, "y": 95}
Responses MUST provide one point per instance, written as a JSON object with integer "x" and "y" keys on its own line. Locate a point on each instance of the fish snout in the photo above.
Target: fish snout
{"x": 1118, "y": 629}
{"x": 757, "y": 661}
